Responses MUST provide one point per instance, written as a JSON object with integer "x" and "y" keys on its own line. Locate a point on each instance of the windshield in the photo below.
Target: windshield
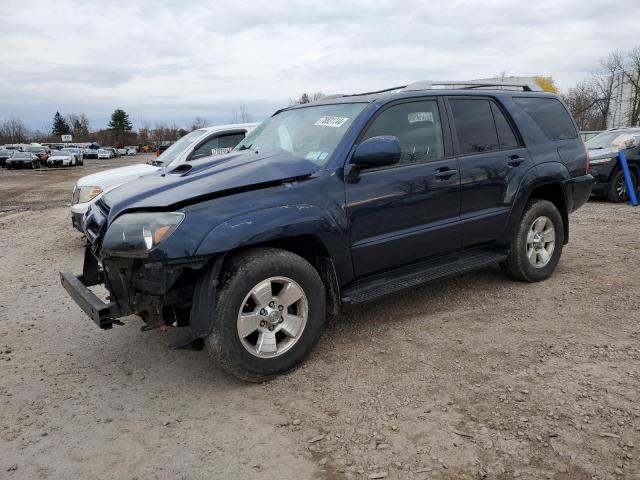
{"x": 173, "y": 152}
{"x": 604, "y": 139}
{"x": 19, "y": 155}
{"x": 311, "y": 133}
{"x": 33, "y": 149}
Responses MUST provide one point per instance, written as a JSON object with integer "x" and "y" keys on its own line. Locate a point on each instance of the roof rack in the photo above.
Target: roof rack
{"x": 450, "y": 84}
{"x": 486, "y": 84}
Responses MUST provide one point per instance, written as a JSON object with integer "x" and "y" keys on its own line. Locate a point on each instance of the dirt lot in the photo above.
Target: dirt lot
{"x": 475, "y": 377}
{"x": 51, "y": 187}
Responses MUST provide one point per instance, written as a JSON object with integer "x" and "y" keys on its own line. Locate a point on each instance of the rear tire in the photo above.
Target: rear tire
{"x": 617, "y": 192}
{"x": 257, "y": 334}
{"x": 537, "y": 242}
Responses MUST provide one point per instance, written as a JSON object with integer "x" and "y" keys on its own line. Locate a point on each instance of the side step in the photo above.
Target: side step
{"x": 408, "y": 277}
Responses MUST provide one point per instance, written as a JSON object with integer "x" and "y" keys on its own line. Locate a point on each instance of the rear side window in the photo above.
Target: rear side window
{"x": 506, "y": 137}
{"x": 474, "y": 125}
{"x": 550, "y": 115}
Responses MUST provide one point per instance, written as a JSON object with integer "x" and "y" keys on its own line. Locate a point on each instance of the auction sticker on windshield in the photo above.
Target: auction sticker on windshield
{"x": 330, "y": 121}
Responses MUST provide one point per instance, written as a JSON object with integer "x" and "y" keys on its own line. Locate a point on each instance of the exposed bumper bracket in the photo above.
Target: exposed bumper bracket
{"x": 100, "y": 312}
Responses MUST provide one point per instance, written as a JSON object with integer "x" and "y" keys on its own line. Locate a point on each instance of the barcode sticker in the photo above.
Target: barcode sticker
{"x": 329, "y": 121}
{"x": 220, "y": 151}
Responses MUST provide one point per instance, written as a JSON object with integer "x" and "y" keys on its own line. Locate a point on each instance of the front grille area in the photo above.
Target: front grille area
{"x": 104, "y": 208}
{"x": 95, "y": 219}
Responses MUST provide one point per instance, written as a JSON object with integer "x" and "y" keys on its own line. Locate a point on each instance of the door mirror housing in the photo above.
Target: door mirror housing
{"x": 377, "y": 152}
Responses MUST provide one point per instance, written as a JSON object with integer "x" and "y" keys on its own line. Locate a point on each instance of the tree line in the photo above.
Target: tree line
{"x": 119, "y": 129}
{"x": 590, "y": 102}
{"x": 591, "y": 99}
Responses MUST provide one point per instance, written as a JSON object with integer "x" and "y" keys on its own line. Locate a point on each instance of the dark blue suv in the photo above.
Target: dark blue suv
{"x": 334, "y": 203}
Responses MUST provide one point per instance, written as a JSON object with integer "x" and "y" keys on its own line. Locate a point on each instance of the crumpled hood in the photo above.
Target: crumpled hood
{"x": 205, "y": 178}
{"x": 114, "y": 176}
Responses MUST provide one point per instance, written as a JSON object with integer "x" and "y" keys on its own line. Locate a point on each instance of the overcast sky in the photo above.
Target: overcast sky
{"x": 172, "y": 60}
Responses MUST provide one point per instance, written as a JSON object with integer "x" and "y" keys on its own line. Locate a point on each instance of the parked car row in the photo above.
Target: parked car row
{"x": 107, "y": 153}
{"x": 198, "y": 144}
{"x": 331, "y": 204}
{"x": 64, "y": 157}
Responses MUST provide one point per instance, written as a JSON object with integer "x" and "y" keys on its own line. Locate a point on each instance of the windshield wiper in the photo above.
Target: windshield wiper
{"x": 244, "y": 147}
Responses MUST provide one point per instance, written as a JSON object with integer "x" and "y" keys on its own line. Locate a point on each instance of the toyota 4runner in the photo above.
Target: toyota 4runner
{"x": 335, "y": 203}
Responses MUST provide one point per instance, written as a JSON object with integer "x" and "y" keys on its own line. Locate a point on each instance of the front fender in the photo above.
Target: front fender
{"x": 280, "y": 222}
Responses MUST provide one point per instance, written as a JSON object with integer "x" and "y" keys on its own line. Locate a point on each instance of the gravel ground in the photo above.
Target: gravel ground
{"x": 51, "y": 187}
{"x": 475, "y": 377}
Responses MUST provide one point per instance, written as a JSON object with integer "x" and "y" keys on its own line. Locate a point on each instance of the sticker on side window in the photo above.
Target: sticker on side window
{"x": 329, "y": 121}
{"x": 220, "y": 151}
{"x": 420, "y": 117}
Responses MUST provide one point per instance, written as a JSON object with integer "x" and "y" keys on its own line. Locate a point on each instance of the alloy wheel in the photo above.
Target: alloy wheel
{"x": 272, "y": 317}
{"x": 541, "y": 242}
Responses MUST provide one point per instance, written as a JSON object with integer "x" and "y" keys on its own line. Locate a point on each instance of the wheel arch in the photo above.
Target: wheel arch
{"x": 305, "y": 230}
{"x": 634, "y": 167}
{"x": 545, "y": 182}
{"x": 312, "y": 249}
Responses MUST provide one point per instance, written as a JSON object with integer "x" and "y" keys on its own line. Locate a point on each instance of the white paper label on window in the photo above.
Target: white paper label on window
{"x": 420, "y": 117}
{"x": 329, "y": 121}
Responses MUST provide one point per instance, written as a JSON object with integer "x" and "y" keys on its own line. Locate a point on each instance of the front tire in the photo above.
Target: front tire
{"x": 617, "y": 192}
{"x": 537, "y": 242}
{"x": 269, "y": 313}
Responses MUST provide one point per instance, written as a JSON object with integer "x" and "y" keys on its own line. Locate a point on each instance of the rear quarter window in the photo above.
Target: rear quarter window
{"x": 550, "y": 115}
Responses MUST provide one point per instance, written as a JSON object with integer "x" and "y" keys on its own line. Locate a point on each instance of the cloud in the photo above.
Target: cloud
{"x": 171, "y": 60}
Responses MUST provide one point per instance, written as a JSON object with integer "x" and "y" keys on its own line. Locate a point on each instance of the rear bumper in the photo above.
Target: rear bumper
{"x": 100, "y": 312}
{"x": 579, "y": 191}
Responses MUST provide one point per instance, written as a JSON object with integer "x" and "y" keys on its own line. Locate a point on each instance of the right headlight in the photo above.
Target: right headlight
{"x": 136, "y": 234}
{"x": 88, "y": 193}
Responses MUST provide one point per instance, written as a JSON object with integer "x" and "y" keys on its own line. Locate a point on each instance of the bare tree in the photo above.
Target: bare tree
{"x": 631, "y": 73}
{"x": 240, "y": 114}
{"x": 79, "y": 124}
{"x": 603, "y": 83}
{"x": 306, "y": 98}
{"x": 582, "y": 101}
{"x": 159, "y": 133}
{"x": 199, "y": 122}
{"x": 13, "y": 130}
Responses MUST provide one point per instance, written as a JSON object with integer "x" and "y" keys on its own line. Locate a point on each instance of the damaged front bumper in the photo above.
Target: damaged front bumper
{"x": 102, "y": 313}
{"x": 159, "y": 292}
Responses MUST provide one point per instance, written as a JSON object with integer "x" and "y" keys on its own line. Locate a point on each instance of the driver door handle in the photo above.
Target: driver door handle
{"x": 445, "y": 173}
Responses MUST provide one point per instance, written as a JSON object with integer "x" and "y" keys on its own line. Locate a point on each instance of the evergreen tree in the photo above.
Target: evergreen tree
{"x": 120, "y": 122}
{"x": 60, "y": 125}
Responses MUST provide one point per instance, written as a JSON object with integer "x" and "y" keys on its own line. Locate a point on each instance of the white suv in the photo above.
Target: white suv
{"x": 200, "y": 143}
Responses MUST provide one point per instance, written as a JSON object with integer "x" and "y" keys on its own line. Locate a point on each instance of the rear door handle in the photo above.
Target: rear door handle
{"x": 445, "y": 174}
{"x": 515, "y": 160}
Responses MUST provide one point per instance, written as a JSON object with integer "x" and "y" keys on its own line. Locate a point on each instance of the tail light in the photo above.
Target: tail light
{"x": 586, "y": 158}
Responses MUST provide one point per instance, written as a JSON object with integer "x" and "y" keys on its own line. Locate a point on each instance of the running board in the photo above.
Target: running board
{"x": 412, "y": 276}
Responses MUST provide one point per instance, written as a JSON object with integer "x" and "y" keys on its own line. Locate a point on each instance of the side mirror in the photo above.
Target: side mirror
{"x": 377, "y": 152}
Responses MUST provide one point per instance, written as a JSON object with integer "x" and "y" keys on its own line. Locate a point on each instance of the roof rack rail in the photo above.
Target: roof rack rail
{"x": 430, "y": 84}
{"x": 384, "y": 90}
